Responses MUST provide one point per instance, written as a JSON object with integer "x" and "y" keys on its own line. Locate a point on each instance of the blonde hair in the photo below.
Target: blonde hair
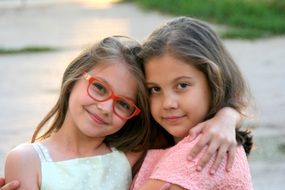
{"x": 134, "y": 134}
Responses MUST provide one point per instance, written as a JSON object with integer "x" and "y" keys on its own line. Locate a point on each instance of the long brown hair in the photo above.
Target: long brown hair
{"x": 134, "y": 135}
{"x": 195, "y": 43}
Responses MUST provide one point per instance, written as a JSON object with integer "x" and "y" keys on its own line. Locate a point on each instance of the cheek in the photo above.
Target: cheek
{"x": 119, "y": 123}
{"x": 79, "y": 95}
{"x": 197, "y": 104}
{"x": 154, "y": 106}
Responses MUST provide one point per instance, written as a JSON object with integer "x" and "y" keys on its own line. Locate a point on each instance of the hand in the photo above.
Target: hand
{"x": 2, "y": 182}
{"x": 219, "y": 134}
{"x": 9, "y": 186}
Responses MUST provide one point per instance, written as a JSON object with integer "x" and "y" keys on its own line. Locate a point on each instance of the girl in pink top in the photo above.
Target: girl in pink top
{"x": 190, "y": 75}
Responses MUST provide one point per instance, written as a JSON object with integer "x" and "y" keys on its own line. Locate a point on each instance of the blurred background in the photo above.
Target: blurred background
{"x": 38, "y": 39}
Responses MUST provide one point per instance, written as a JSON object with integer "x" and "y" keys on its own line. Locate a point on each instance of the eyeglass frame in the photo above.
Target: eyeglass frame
{"x": 89, "y": 78}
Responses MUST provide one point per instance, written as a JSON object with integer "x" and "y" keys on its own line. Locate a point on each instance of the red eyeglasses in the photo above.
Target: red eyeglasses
{"x": 100, "y": 92}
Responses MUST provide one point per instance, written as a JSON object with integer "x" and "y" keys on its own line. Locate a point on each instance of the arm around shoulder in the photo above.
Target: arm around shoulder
{"x": 22, "y": 164}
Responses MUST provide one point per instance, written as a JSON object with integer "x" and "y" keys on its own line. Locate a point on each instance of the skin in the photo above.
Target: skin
{"x": 86, "y": 124}
{"x": 12, "y": 185}
{"x": 225, "y": 120}
{"x": 179, "y": 96}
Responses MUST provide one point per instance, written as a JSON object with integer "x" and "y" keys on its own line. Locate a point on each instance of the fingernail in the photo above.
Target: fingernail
{"x": 199, "y": 168}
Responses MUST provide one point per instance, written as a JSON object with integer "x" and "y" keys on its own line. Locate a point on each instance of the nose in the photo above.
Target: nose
{"x": 169, "y": 101}
{"x": 106, "y": 107}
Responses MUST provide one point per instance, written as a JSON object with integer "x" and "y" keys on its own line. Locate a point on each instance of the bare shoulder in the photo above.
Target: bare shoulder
{"x": 22, "y": 149}
{"x": 22, "y": 163}
{"x": 23, "y": 152}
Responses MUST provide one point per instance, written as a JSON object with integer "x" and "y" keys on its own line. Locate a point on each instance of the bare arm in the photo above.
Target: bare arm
{"x": 219, "y": 134}
{"x": 22, "y": 164}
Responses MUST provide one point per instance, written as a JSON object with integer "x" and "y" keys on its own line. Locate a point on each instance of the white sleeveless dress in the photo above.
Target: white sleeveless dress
{"x": 106, "y": 172}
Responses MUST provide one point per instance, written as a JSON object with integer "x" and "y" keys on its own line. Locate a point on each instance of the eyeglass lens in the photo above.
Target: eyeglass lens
{"x": 100, "y": 92}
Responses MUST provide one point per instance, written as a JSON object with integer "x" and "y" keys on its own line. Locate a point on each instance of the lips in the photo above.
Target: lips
{"x": 97, "y": 119}
{"x": 173, "y": 118}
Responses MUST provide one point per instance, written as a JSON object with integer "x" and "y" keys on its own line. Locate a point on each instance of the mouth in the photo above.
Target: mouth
{"x": 173, "y": 118}
{"x": 97, "y": 119}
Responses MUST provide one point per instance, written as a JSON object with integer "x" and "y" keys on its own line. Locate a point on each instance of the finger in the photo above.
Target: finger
{"x": 2, "y": 181}
{"x": 194, "y": 131}
{"x": 11, "y": 185}
{"x": 231, "y": 157}
{"x": 166, "y": 186}
{"x": 222, "y": 153}
{"x": 198, "y": 146}
{"x": 211, "y": 150}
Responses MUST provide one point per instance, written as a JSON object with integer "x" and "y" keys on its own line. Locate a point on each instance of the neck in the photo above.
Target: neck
{"x": 68, "y": 143}
{"x": 77, "y": 143}
{"x": 177, "y": 139}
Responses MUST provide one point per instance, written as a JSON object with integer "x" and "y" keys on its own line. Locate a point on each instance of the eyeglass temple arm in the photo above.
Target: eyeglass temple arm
{"x": 86, "y": 75}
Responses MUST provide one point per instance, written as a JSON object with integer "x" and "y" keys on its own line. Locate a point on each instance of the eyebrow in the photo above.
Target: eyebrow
{"x": 174, "y": 80}
{"x": 150, "y": 83}
{"x": 183, "y": 77}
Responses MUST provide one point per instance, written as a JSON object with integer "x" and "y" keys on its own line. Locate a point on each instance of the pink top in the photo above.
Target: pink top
{"x": 171, "y": 165}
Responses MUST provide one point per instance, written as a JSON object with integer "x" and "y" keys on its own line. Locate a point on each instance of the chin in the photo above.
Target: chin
{"x": 178, "y": 134}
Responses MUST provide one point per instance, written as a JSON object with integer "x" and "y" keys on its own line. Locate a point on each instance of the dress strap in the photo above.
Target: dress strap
{"x": 42, "y": 152}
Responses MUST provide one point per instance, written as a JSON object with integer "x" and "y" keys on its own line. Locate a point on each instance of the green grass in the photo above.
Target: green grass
{"x": 281, "y": 148}
{"x": 30, "y": 49}
{"x": 245, "y": 18}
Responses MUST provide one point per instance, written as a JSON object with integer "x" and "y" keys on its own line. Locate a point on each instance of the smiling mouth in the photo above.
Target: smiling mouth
{"x": 173, "y": 118}
{"x": 96, "y": 118}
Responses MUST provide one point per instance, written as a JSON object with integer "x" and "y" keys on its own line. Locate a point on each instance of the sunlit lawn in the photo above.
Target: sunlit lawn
{"x": 245, "y": 18}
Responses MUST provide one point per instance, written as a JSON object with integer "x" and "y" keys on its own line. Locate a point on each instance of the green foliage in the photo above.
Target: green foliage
{"x": 281, "y": 148}
{"x": 30, "y": 49}
{"x": 250, "y": 18}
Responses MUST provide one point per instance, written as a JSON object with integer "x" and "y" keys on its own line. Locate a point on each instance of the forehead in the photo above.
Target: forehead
{"x": 118, "y": 76}
{"x": 167, "y": 67}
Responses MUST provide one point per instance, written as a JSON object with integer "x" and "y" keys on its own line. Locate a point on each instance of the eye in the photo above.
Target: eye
{"x": 154, "y": 90}
{"x": 99, "y": 88}
{"x": 123, "y": 105}
{"x": 182, "y": 86}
